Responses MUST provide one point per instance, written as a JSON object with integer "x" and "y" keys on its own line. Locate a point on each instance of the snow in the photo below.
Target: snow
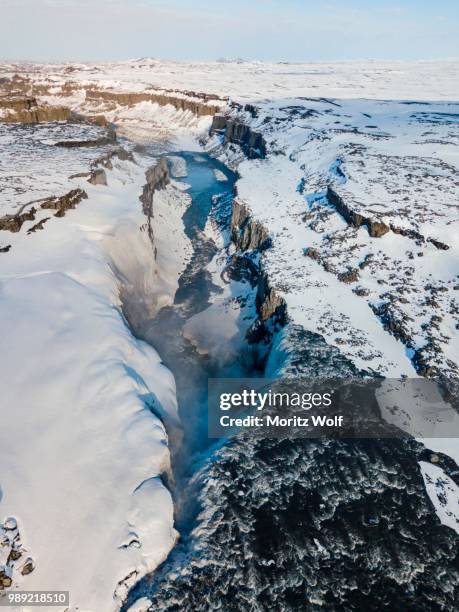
{"x": 147, "y": 287}
{"x": 23, "y": 147}
{"x": 400, "y": 80}
{"x": 382, "y": 135}
{"x": 219, "y": 175}
{"x": 141, "y": 605}
{"x": 178, "y": 166}
{"x": 315, "y": 299}
{"x": 148, "y": 122}
{"x": 82, "y": 448}
{"x": 444, "y": 494}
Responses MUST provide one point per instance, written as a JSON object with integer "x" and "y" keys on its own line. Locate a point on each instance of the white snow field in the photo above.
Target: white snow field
{"x": 82, "y": 449}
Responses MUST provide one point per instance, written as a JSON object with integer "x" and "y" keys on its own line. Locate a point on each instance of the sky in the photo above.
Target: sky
{"x": 279, "y": 30}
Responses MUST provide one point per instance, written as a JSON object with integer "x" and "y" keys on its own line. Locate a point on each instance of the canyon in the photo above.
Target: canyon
{"x": 213, "y": 231}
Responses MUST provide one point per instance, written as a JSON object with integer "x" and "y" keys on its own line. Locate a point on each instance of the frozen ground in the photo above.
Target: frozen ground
{"x": 359, "y": 195}
{"x": 82, "y": 450}
{"x": 32, "y": 167}
{"x": 249, "y": 81}
{"x": 390, "y": 301}
{"x": 381, "y": 137}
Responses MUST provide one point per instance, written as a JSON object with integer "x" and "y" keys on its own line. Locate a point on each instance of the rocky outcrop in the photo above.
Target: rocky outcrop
{"x": 269, "y": 304}
{"x": 246, "y": 233}
{"x": 350, "y": 276}
{"x": 66, "y": 202}
{"x": 196, "y": 106}
{"x": 395, "y": 325}
{"x": 408, "y": 233}
{"x": 252, "y": 143}
{"x": 17, "y": 104}
{"x": 27, "y": 110}
{"x": 18, "y": 108}
{"x": 108, "y": 138}
{"x": 105, "y": 160}
{"x": 13, "y": 551}
{"x": 13, "y": 223}
{"x": 157, "y": 178}
{"x": 375, "y": 228}
{"x": 98, "y": 177}
{"x": 250, "y": 235}
{"x": 38, "y": 226}
{"x": 312, "y": 253}
{"x": 439, "y": 245}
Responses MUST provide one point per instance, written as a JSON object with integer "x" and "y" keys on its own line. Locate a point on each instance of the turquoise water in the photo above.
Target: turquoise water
{"x": 195, "y": 285}
{"x": 210, "y": 197}
{"x": 165, "y": 332}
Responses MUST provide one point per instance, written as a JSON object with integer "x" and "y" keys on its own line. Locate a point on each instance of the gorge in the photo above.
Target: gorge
{"x": 224, "y": 233}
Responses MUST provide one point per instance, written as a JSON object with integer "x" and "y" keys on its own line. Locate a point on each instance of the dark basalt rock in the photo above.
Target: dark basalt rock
{"x": 157, "y": 178}
{"x": 392, "y": 323}
{"x": 350, "y": 276}
{"x": 312, "y": 253}
{"x": 375, "y": 228}
{"x": 250, "y": 108}
{"x": 241, "y": 268}
{"x": 440, "y": 245}
{"x": 302, "y": 525}
{"x": 252, "y": 143}
{"x": 409, "y": 233}
{"x": 28, "y": 567}
{"x": 38, "y": 226}
{"x": 105, "y": 160}
{"x": 361, "y": 291}
{"x": 270, "y": 306}
{"x": 246, "y": 233}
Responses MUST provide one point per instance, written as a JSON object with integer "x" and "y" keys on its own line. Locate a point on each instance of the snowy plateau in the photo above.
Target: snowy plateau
{"x": 330, "y": 247}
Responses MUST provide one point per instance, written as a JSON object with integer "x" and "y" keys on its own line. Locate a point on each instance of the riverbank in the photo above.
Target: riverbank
{"x": 329, "y": 253}
{"x": 84, "y": 451}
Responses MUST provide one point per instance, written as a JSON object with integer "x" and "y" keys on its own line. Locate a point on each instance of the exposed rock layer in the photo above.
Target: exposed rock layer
{"x": 247, "y": 233}
{"x": 157, "y": 178}
{"x": 66, "y": 202}
{"x": 252, "y": 143}
{"x": 197, "y": 107}
{"x": 377, "y": 228}
{"x": 27, "y": 110}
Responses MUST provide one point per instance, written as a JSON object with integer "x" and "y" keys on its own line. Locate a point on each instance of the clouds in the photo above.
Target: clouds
{"x": 203, "y": 29}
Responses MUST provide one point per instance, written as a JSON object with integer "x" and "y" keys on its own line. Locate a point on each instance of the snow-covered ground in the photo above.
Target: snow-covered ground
{"x": 249, "y": 81}
{"x": 82, "y": 447}
{"x": 382, "y": 135}
{"x": 31, "y": 168}
{"x": 359, "y": 195}
{"x": 390, "y": 173}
